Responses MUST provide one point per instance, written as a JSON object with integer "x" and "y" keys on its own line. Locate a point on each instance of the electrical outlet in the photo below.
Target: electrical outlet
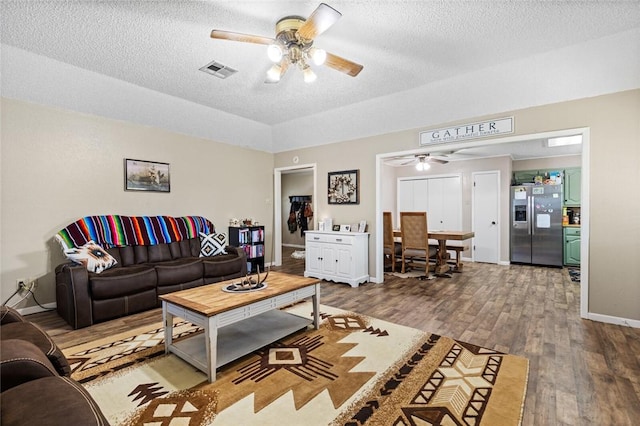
{"x": 22, "y": 284}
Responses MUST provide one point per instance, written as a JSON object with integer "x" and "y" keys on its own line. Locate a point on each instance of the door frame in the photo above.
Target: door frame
{"x": 584, "y": 206}
{"x": 277, "y": 205}
{"x": 499, "y": 215}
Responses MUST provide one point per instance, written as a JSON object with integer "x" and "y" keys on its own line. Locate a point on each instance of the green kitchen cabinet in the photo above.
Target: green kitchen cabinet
{"x": 572, "y": 183}
{"x": 571, "y": 246}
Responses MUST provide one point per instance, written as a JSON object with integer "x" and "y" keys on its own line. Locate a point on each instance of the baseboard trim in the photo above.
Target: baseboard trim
{"x": 293, "y": 245}
{"x": 36, "y": 309}
{"x": 626, "y": 322}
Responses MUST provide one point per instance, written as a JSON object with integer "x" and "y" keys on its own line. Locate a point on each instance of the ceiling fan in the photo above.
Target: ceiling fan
{"x": 293, "y": 45}
{"x": 422, "y": 161}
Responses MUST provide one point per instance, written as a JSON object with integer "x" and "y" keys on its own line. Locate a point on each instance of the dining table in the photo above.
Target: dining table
{"x": 442, "y": 267}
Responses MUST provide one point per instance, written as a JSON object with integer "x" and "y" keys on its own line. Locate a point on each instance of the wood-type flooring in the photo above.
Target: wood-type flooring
{"x": 581, "y": 372}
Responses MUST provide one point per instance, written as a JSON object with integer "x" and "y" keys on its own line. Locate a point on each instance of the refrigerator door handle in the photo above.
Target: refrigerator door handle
{"x": 532, "y": 227}
{"x": 529, "y": 216}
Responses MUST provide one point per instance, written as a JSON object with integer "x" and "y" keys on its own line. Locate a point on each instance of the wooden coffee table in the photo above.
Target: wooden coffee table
{"x": 236, "y": 324}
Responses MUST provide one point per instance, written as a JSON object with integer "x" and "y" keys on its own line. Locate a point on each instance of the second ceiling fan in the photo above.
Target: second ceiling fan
{"x": 421, "y": 161}
{"x": 293, "y": 45}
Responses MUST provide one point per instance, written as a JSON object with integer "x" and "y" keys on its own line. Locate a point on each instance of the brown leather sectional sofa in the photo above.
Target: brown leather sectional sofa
{"x": 34, "y": 378}
{"x": 141, "y": 274}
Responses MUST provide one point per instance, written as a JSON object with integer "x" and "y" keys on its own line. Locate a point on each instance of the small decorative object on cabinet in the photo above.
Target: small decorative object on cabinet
{"x": 337, "y": 256}
{"x": 251, "y": 240}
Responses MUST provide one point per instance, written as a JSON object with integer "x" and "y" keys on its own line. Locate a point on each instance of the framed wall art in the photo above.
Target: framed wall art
{"x": 142, "y": 175}
{"x": 343, "y": 187}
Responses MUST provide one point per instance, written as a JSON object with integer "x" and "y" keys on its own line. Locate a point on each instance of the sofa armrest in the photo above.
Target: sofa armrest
{"x": 73, "y": 298}
{"x": 8, "y": 315}
{"x": 241, "y": 254}
{"x": 21, "y": 362}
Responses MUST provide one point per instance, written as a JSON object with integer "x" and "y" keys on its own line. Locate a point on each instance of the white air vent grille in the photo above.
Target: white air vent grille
{"x": 218, "y": 69}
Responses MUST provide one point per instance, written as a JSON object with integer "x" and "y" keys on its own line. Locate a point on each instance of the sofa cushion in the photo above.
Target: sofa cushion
{"x": 106, "y": 309}
{"x": 222, "y": 266}
{"x": 212, "y": 244}
{"x": 124, "y": 255}
{"x": 50, "y": 401}
{"x": 91, "y": 256}
{"x": 32, "y": 333}
{"x": 119, "y": 282}
{"x": 22, "y": 361}
{"x": 159, "y": 253}
{"x": 179, "y": 271}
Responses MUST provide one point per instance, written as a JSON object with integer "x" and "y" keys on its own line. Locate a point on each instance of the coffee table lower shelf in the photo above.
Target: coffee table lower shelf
{"x": 240, "y": 338}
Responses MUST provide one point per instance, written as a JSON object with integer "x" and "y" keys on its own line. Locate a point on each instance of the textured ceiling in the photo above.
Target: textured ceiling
{"x": 161, "y": 45}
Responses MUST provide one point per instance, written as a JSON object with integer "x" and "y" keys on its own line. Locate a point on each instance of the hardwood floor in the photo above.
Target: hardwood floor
{"x": 581, "y": 372}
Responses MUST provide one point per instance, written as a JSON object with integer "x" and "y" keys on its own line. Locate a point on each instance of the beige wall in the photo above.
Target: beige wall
{"x": 614, "y": 270}
{"x": 58, "y": 166}
{"x": 548, "y": 163}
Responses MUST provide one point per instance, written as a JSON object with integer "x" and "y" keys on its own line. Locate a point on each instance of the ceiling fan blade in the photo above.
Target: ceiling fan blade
{"x": 245, "y": 38}
{"x": 435, "y": 160}
{"x": 343, "y": 65}
{"x": 320, "y": 20}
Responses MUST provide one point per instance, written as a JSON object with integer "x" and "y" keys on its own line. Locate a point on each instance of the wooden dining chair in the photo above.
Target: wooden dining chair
{"x": 415, "y": 240}
{"x": 392, "y": 249}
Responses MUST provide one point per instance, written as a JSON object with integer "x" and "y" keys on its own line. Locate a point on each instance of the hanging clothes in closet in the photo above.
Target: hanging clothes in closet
{"x": 300, "y": 214}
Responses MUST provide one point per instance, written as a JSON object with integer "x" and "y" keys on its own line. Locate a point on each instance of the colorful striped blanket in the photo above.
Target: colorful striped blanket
{"x": 115, "y": 230}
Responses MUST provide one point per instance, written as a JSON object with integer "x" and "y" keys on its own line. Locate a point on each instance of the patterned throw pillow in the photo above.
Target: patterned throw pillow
{"x": 212, "y": 244}
{"x": 91, "y": 256}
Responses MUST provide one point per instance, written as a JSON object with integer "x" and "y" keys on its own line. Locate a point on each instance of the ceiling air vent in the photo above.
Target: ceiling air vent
{"x": 218, "y": 69}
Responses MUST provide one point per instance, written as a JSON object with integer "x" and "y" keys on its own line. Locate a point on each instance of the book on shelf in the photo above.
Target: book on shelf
{"x": 254, "y": 251}
{"x": 257, "y": 235}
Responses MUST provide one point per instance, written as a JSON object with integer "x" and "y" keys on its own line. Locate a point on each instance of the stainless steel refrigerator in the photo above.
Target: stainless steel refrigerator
{"x": 536, "y": 224}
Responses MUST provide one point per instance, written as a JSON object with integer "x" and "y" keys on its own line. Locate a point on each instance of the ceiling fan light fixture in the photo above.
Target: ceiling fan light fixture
{"x": 421, "y": 165}
{"x": 274, "y": 73}
{"x": 274, "y": 52}
{"x": 309, "y": 75}
{"x": 319, "y": 56}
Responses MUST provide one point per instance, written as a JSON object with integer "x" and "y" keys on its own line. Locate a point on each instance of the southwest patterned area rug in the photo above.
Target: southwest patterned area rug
{"x": 354, "y": 370}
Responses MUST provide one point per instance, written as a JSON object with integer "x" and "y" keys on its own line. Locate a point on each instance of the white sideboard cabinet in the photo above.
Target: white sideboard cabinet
{"x": 337, "y": 256}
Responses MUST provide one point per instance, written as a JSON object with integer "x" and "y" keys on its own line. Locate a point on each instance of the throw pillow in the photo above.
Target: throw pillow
{"x": 91, "y": 256}
{"x": 212, "y": 244}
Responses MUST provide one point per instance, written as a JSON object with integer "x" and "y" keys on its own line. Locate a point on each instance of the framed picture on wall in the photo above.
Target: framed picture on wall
{"x": 140, "y": 175}
{"x": 343, "y": 187}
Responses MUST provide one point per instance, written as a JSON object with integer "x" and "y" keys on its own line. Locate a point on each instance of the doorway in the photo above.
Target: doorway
{"x": 485, "y": 214}
{"x": 278, "y": 203}
{"x": 531, "y": 138}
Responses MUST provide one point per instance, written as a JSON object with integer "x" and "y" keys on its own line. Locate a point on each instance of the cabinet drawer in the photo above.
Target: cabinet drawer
{"x": 330, "y": 238}
{"x": 572, "y": 231}
{"x": 339, "y": 239}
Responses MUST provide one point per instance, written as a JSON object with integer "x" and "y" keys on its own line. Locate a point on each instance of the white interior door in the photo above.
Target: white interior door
{"x": 486, "y": 208}
{"x": 444, "y": 211}
{"x": 412, "y": 196}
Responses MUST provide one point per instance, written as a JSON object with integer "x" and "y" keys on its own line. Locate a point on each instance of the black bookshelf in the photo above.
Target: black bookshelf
{"x": 251, "y": 240}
